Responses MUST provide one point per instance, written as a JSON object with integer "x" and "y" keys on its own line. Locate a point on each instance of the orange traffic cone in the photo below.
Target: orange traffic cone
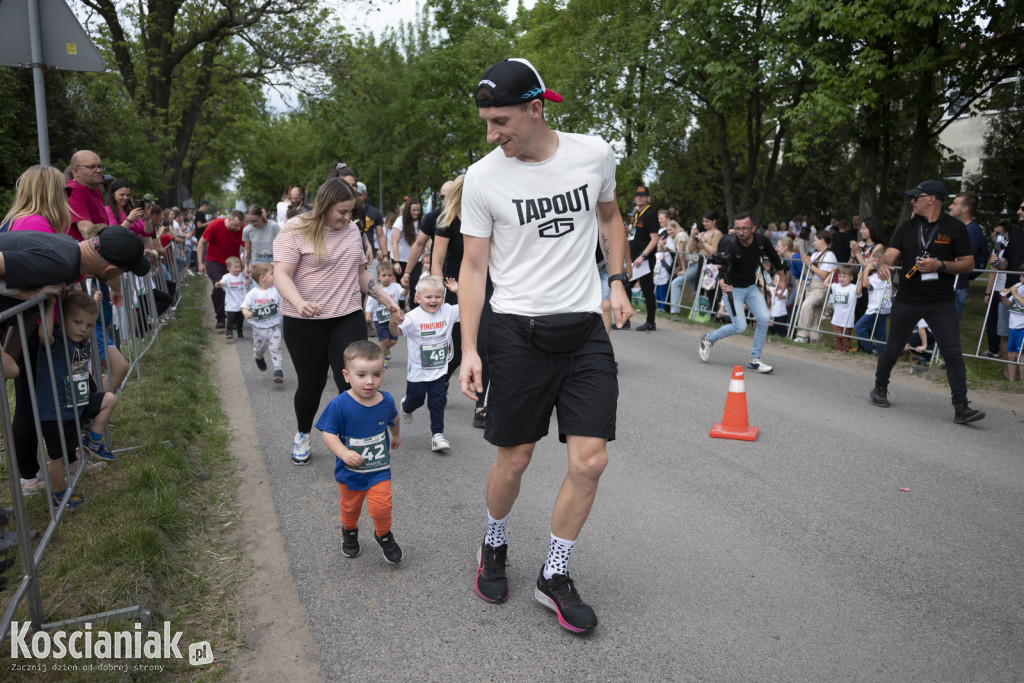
{"x": 734, "y": 423}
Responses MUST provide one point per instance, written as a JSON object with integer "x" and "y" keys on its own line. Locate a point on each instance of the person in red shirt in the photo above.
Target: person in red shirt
{"x": 221, "y": 239}
{"x": 85, "y": 196}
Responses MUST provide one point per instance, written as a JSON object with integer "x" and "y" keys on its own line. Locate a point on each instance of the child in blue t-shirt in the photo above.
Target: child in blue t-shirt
{"x": 359, "y": 427}
{"x": 74, "y": 389}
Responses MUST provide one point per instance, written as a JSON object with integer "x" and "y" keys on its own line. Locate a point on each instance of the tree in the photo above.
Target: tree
{"x": 999, "y": 182}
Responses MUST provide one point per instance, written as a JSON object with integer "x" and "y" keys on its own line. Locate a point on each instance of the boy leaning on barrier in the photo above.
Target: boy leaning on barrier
{"x": 1013, "y": 299}
{"x": 74, "y": 388}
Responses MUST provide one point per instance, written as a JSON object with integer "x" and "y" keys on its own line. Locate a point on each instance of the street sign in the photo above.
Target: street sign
{"x": 65, "y": 44}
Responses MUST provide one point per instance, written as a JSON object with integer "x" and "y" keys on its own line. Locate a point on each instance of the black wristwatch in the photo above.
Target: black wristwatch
{"x": 618, "y": 277}
{"x": 942, "y": 266}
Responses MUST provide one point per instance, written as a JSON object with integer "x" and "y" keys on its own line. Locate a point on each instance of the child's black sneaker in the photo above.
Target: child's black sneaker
{"x": 350, "y": 542}
{"x": 229, "y": 335}
{"x": 559, "y": 594}
{"x": 98, "y": 449}
{"x": 491, "y": 582}
{"x": 392, "y": 553}
{"x": 261, "y": 364}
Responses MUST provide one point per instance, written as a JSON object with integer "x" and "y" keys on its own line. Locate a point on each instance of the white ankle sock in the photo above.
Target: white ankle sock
{"x": 495, "y": 531}
{"x": 558, "y": 556}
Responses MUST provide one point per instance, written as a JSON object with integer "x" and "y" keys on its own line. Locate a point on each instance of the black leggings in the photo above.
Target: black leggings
{"x": 316, "y": 345}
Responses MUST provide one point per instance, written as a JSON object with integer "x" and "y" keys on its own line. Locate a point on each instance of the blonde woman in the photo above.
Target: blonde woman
{"x": 40, "y": 204}
{"x": 320, "y": 272}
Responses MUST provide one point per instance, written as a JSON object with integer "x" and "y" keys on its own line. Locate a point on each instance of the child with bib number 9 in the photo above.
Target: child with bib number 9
{"x": 359, "y": 428}
{"x": 428, "y": 333}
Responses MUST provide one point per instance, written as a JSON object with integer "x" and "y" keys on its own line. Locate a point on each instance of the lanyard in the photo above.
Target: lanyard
{"x": 638, "y": 214}
{"x": 931, "y": 235}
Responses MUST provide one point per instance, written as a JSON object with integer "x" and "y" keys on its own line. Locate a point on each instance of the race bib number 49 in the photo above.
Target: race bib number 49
{"x": 433, "y": 356}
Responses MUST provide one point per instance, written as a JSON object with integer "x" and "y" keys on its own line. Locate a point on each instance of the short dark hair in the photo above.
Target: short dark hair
{"x": 77, "y": 300}
{"x": 742, "y": 215}
{"x": 363, "y": 350}
{"x": 238, "y": 215}
{"x": 970, "y": 200}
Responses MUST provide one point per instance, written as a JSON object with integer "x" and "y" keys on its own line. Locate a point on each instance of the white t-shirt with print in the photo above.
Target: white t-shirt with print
{"x": 265, "y": 305}
{"x": 378, "y": 313}
{"x": 541, "y": 219}
{"x": 234, "y": 291}
{"x": 823, "y": 261}
{"x": 429, "y": 341}
{"x": 780, "y": 302}
{"x": 845, "y": 304}
{"x": 879, "y": 295}
{"x": 1016, "y": 321}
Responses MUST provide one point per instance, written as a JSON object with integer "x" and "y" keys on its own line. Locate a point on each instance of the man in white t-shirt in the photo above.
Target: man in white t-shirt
{"x": 534, "y": 208}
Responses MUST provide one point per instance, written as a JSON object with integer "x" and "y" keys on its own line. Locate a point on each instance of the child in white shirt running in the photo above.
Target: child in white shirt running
{"x": 379, "y": 315}
{"x": 262, "y": 308}
{"x": 234, "y": 287}
{"x": 844, "y": 294}
{"x": 428, "y": 332}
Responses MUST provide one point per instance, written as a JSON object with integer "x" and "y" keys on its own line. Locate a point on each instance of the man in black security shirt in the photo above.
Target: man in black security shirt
{"x": 931, "y": 248}
{"x": 643, "y": 242}
{"x": 744, "y": 250}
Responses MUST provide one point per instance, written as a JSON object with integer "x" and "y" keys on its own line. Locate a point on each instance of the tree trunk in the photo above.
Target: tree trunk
{"x": 187, "y": 125}
{"x": 727, "y": 168}
{"x": 769, "y": 175}
{"x": 867, "y": 183}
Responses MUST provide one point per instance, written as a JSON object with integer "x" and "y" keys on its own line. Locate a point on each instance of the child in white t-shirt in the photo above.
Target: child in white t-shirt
{"x": 262, "y": 308}
{"x": 662, "y": 273}
{"x": 779, "y": 294}
{"x": 234, "y": 287}
{"x": 844, "y": 302}
{"x": 428, "y": 332}
{"x": 871, "y": 325}
{"x": 1013, "y": 299}
{"x": 379, "y": 315}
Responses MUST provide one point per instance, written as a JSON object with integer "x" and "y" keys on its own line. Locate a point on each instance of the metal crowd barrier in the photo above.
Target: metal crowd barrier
{"x": 680, "y": 264}
{"x": 135, "y": 329}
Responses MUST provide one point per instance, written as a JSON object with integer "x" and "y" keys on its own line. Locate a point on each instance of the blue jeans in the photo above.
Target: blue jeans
{"x": 679, "y": 283}
{"x": 960, "y": 299}
{"x": 659, "y": 295}
{"x": 436, "y": 396}
{"x": 752, "y": 297}
{"x": 863, "y": 328}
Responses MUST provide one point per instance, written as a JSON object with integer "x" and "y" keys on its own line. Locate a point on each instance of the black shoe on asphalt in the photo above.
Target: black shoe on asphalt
{"x": 880, "y": 397}
{"x": 559, "y": 594}
{"x": 480, "y": 418}
{"x": 966, "y": 415}
{"x": 392, "y": 553}
{"x": 261, "y": 363}
{"x": 220, "y": 325}
{"x": 239, "y": 334}
{"x": 647, "y": 327}
{"x": 491, "y": 583}
{"x": 350, "y": 542}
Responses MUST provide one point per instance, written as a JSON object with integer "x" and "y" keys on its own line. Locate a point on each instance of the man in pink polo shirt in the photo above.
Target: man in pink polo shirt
{"x": 86, "y": 195}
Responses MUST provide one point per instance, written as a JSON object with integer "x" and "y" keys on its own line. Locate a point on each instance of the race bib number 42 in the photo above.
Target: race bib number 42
{"x": 374, "y": 452}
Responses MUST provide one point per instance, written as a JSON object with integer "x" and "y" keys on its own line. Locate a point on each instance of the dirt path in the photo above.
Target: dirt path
{"x": 275, "y": 625}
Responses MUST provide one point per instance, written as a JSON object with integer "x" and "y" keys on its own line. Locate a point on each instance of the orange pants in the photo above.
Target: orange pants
{"x": 378, "y": 504}
{"x": 842, "y": 343}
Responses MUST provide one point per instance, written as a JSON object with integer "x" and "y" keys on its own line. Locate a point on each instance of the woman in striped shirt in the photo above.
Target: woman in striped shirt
{"x": 320, "y": 272}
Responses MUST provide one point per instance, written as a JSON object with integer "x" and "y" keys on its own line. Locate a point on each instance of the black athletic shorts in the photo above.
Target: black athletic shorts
{"x": 52, "y": 429}
{"x": 527, "y": 383}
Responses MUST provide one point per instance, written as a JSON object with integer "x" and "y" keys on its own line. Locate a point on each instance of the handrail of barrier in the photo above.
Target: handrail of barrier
{"x": 137, "y": 342}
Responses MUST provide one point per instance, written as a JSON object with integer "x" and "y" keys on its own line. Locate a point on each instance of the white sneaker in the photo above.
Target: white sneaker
{"x": 31, "y": 486}
{"x": 300, "y": 448}
{"x": 406, "y": 417}
{"x": 755, "y": 365}
{"x": 705, "y": 348}
{"x": 439, "y": 444}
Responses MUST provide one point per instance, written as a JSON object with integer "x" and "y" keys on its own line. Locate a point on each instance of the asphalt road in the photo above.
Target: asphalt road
{"x": 795, "y": 557}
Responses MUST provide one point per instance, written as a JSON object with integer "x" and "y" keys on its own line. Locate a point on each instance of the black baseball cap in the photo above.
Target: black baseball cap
{"x": 932, "y": 187}
{"x": 512, "y": 81}
{"x": 121, "y": 247}
{"x": 642, "y": 191}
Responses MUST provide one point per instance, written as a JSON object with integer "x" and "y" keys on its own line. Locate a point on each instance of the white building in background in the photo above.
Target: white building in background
{"x": 965, "y": 137}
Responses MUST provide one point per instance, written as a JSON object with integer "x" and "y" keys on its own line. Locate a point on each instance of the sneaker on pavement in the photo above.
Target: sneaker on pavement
{"x": 229, "y": 335}
{"x": 97, "y": 449}
{"x": 647, "y": 327}
{"x": 439, "y": 444}
{"x": 220, "y": 325}
{"x": 491, "y": 582}
{"x": 300, "y": 448}
{"x": 74, "y": 500}
{"x": 967, "y": 414}
{"x": 480, "y": 418}
{"x": 278, "y": 376}
{"x": 880, "y": 397}
{"x": 705, "y": 348}
{"x": 406, "y": 417}
{"x": 32, "y": 486}
{"x": 756, "y": 365}
{"x": 392, "y": 553}
{"x": 261, "y": 364}
{"x": 349, "y": 542}
{"x": 387, "y": 354}
{"x": 559, "y": 594}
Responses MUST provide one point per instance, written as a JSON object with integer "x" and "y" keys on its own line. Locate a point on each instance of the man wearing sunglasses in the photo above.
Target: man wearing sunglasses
{"x": 931, "y": 248}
